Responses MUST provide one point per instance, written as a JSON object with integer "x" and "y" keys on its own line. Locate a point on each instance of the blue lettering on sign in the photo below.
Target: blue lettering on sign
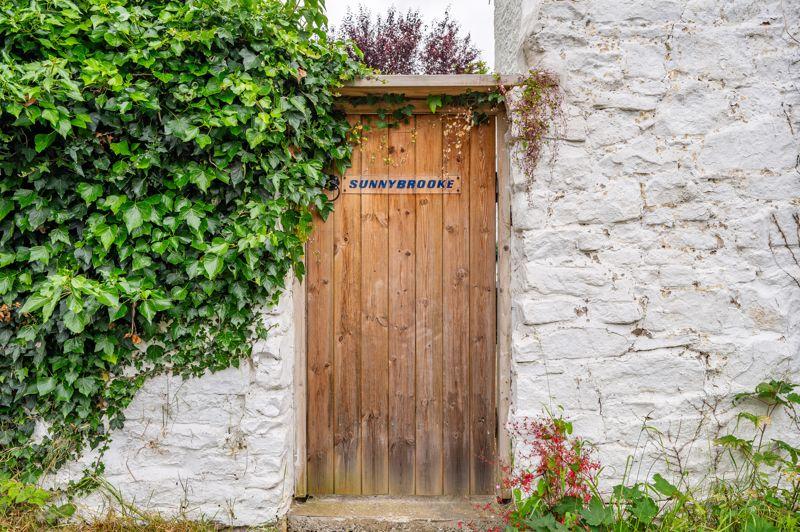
{"x": 410, "y": 184}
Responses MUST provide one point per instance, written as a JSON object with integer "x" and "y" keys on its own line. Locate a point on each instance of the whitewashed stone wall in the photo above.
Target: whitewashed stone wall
{"x": 644, "y": 283}
{"x": 220, "y": 447}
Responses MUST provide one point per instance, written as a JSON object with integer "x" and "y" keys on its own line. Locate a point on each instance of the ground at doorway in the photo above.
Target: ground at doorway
{"x": 387, "y": 513}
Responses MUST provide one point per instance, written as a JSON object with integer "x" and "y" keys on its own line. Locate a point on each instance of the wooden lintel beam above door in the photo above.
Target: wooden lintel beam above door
{"x": 422, "y": 86}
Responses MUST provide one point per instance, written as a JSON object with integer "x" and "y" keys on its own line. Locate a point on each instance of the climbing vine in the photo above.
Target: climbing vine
{"x": 159, "y": 164}
{"x": 159, "y": 161}
{"x": 534, "y": 108}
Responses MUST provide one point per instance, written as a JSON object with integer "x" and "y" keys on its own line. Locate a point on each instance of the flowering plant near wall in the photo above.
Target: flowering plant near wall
{"x": 555, "y": 486}
{"x": 535, "y": 109}
{"x": 561, "y": 480}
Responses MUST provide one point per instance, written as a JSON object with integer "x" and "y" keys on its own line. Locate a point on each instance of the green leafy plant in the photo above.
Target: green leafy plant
{"x": 552, "y": 493}
{"x": 535, "y": 109}
{"x": 561, "y": 492}
{"x": 759, "y": 459}
{"x": 18, "y": 499}
{"x": 159, "y": 165}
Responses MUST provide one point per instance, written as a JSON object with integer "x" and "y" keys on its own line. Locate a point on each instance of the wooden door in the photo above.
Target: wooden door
{"x": 401, "y": 317}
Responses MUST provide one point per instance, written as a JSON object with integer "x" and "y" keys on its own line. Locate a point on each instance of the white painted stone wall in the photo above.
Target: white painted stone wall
{"x": 644, "y": 286}
{"x": 220, "y": 447}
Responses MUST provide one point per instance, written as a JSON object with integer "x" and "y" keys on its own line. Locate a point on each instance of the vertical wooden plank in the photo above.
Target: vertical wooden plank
{"x": 482, "y": 308}
{"x": 300, "y": 385}
{"x": 374, "y": 322}
{"x": 347, "y": 336}
{"x": 503, "y": 299}
{"x": 455, "y": 304}
{"x": 401, "y": 315}
{"x": 429, "y": 311}
{"x": 320, "y": 357}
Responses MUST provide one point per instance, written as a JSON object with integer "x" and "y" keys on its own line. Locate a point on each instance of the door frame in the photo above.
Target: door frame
{"x": 421, "y": 87}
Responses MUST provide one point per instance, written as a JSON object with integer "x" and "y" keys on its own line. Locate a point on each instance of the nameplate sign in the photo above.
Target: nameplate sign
{"x": 450, "y": 184}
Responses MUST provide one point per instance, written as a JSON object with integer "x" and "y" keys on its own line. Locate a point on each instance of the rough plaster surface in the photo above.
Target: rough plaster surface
{"x": 219, "y": 447}
{"x": 644, "y": 286}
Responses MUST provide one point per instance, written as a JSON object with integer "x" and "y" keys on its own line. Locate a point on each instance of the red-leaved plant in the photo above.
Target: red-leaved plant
{"x": 557, "y": 472}
{"x": 401, "y": 43}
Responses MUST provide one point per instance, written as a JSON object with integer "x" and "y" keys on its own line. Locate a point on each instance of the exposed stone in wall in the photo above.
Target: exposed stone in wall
{"x": 650, "y": 282}
{"x": 649, "y": 278}
{"x": 218, "y": 447}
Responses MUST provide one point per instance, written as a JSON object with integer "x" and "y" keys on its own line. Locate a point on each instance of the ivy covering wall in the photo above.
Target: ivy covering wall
{"x": 159, "y": 162}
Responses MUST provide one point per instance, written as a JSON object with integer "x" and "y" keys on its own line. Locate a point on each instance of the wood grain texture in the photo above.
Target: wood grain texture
{"x": 300, "y": 386}
{"x": 455, "y": 251}
{"x": 375, "y": 321}
{"x": 420, "y": 86}
{"x": 347, "y": 337}
{"x": 402, "y": 305}
{"x": 504, "y": 456}
{"x": 429, "y": 312}
{"x": 402, "y": 254}
{"x": 419, "y": 106}
{"x": 482, "y": 308}
{"x": 320, "y": 357}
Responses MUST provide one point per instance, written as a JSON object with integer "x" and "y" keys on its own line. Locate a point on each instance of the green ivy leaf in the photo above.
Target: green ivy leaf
{"x": 120, "y": 148}
{"x": 249, "y": 59}
{"x": 50, "y": 304}
{"x": 114, "y": 203}
{"x": 131, "y": 171}
{"x": 212, "y": 265}
{"x": 75, "y": 322}
{"x": 42, "y": 141}
{"x": 107, "y": 235}
{"x": 106, "y": 297}
{"x": 193, "y": 219}
{"x": 33, "y": 303}
{"x": 434, "y": 102}
{"x": 148, "y": 310}
{"x": 6, "y": 206}
{"x": 64, "y": 127}
{"x": 45, "y": 385}
{"x": 63, "y": 393}
{"x": 133, "y": 217}
{"x": 182, "y": 128}
{"x": 89, "y": 192}
{"x": 6, "y": 258}
{"x": 86, "y": 386}
{"x": 141, "y": 261}
{"x": 39, "y": 254}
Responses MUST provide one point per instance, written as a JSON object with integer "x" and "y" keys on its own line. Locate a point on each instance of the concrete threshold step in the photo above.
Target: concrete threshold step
{"x": 382, "y": 513}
